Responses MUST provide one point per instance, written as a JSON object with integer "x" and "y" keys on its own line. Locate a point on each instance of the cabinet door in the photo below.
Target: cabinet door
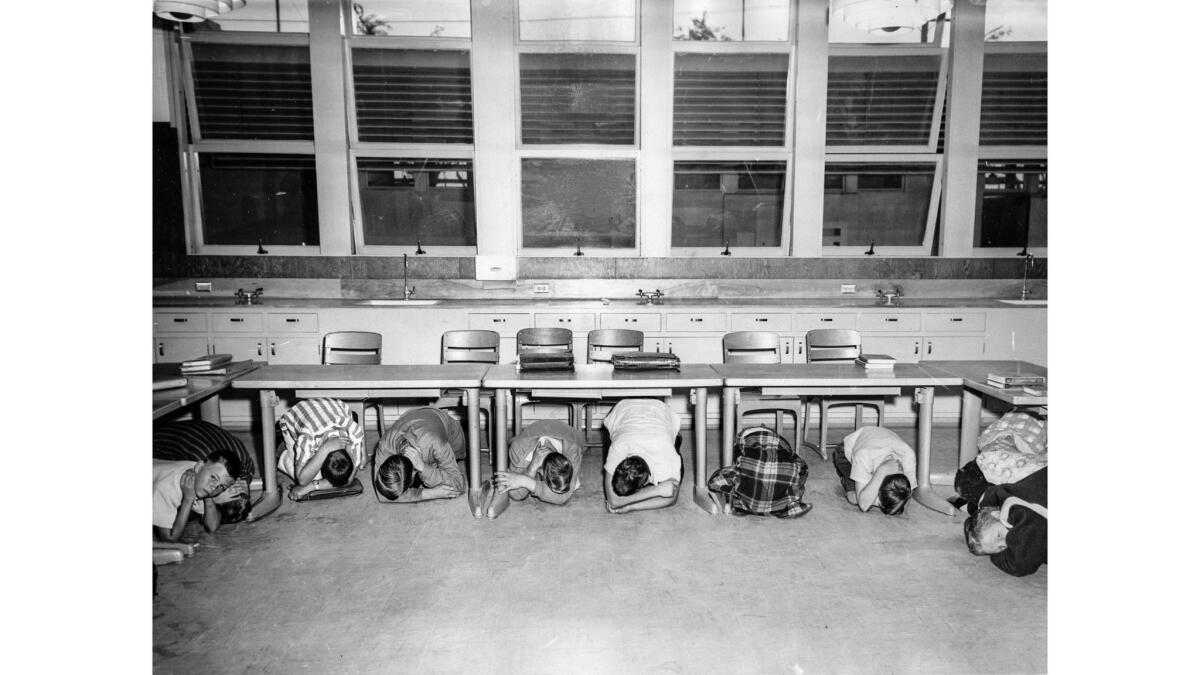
{"x": 691, "y": 349}
{"x": 173, "y": 349}
{"x": 295, "y": 350}
{"x": 904, "y": 348}
{"x": 790, "y": 349}
{"x": 953, "y": 348}
{"x": 242, "y": 348}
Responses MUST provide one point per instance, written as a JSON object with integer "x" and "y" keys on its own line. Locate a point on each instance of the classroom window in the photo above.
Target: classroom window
{"x": 1010, "y": 204}
{"x": 412, "y": 96}
{"x": 880, "y": 203}
{"x": 406, "y": 201}
{"x": 731, "y": 20}
{"x": 248, "y": 199}
{"x": 578, "y": 98}
{"x": 1014, "y": 99}
{"x": 569, "y": 203}
{"x": 578, "y": 20}
{"x": 252, "y": 92}
{"x": 881, "y": 100}
{"x": 412, "y": 18}
{"x": 730, "y": 99}
{"x": 728, "y": 203}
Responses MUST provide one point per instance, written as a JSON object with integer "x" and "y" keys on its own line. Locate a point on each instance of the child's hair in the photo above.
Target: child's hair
{"x": 894, "y": 494}
{"x": 557, "y": 472}
{"x": 976, "y": 526}
{"x": 631, "y": 475}
{"x": 395, "y": 476}
{"x": 232, "y": 464}
{"x": 337, "y": 468}
{"x": 236, "y": 509}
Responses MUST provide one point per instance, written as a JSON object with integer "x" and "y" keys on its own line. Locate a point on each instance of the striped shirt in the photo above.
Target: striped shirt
{"x": 308, "y": 424}
{"x": 767, "y": 477}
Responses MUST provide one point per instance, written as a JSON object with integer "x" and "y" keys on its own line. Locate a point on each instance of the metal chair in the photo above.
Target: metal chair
{"x": 351, "y": 348}
{"x": 761, "y": 347}
{"x": 470, "y": 346}
{"x": 828, "y": 345}
{"x": 542, "y": 338}
{"x": 601, "y": 344}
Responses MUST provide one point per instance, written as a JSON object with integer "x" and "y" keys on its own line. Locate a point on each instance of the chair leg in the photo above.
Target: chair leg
{"x": 879, "y": 411}
{"x": 858, "y": 410}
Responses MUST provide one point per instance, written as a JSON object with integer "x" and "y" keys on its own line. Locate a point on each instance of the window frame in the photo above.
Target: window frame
{"x": 925, "y": 248}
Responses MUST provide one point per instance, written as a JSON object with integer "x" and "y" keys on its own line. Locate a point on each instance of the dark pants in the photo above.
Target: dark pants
{"x": 970, "y": 484}
{"x": 842, "y": 466}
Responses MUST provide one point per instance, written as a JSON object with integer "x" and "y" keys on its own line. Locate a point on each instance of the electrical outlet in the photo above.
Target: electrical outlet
{"x": 541, "y": 288}
{"x": 849, "y": 289}
{"x": 204, "y": 287}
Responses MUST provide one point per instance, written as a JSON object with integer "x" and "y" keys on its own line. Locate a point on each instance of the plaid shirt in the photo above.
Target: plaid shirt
{"x": 766, "y": 478}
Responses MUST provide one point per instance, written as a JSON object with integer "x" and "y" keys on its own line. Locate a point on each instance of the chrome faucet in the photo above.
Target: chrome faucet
{"x": 891, "y": 297}
{"x": 1025, "y": 276}
{"x": 242, "y": 297}
{"x": 409, "y": 291}
{"x": 654, "y": 298}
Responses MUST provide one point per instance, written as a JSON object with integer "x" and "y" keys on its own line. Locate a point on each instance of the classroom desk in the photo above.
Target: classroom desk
{"x": 801, "y": 379}
{"x": 200, "y": 389}
{"x": 975, "y": 388}
{"x": 600, "y": 380}
{"x": 373, "y": 382}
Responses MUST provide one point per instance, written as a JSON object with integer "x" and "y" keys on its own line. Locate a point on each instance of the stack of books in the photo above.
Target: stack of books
{"x": 875, "y": 361}
{"x": 215, "y": 364}
{"x": 1006, "y": 380}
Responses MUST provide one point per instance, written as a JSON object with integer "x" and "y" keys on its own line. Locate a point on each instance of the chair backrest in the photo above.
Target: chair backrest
{"x": 604, "y": 341}
{"x": 352, "y": 348}
{"x": 832, "y": 345}
{"x": 750, "y": 346}
{"x": 545, "y": 338}
{"x": 470, "y": 346}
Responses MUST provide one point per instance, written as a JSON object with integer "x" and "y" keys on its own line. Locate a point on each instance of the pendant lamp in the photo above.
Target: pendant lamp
{"x": 194, "y": 11}
{"x": 889, "y": 16}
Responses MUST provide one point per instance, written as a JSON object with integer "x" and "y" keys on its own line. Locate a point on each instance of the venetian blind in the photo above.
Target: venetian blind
{"x": 405, "y": 96}
{"x": 730, "y": 99}
{"x": 881, "y": 100}
{"x": 252, "y": 92}
{"x": 1014, "y": 105}
{"x": 578, "y": 98}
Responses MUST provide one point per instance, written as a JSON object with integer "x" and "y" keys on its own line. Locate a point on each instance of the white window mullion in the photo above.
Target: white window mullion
{"x": 497, "y": 168}
{"x": 962, "y": 130}
{"x": 329, "y": 128}
{"x": 808, "y": 164}
{"x": 654, "y": 169}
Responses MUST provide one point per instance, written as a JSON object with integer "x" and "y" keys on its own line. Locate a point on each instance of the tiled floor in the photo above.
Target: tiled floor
{"x": 355, "y": 586}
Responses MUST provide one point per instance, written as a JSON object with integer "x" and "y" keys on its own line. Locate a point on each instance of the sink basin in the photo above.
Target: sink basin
{"x": 398, "y": 303}
{"x": 1035, "y": 303}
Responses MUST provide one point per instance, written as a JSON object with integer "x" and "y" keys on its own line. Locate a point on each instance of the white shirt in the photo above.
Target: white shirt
{"x": 646, "y": 428}
{"x": 167, "y": 493}
{"x": 869, "y": 447}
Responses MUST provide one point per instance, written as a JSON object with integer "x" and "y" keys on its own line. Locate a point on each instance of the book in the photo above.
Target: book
{"x": 875, "y": 361}
{"x": 229, "y": 368}
{"x": 209, "y": 361}
{"x": 1004, "y": 380}
{"x": 169, "y": 382}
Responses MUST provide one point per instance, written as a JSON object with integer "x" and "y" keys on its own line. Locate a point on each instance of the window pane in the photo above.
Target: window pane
{"x": 887, "y": 204}
{"x": 578, "y": 98}
{"x": 404, "y": 96}
{"x": 732, "y": 20}
{"x": 247, "y": 198}
{"x": 730, "y": 99}
{"x": 253, "y": 92}
{"x": 1015, "y": 21}
{"x": 1014, "y": 104}
{"x": 606, "y": 20}
{"x": 881, "y": 100}
{"x": 578, "y": 202}
{"x": 409, "y": 200}
{"x": 412, "y": 18}
{"x": 884, "y": 26}
{"x": 1010, "y": 204}
{"x": 734, "y": 203}
{"x": 261, "y": 17}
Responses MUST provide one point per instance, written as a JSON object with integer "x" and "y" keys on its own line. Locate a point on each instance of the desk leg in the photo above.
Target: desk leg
{"x": 210, "y": 409}
{"x": 700, "y": 493}
{"x": 474, "y": 493}
{"x": 271, "y": 497}
{"x": 729, "y": 400}
{"x": 924, "y": 493}
{"x": 498, "y": 503}
{"x": 968, "y": 436}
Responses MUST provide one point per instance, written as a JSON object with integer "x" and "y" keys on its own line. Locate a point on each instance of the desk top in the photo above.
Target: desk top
{"x": 601, "y": 376}
{"x": 974, "y": 377}
{"x": 832, "y": 375}
{"x": 445, "y": 375}
{"x": 199, "y": 387}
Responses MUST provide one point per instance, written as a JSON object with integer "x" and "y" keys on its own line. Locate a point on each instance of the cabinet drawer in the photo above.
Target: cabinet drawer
{"x": 576, "y": 322}
{"x": 237, "y": 322}
{"x": 777, "y": 323}
{"x": 714, "y": 321}
{"x": 180, "y": 322}
{"x": 807, "y": 322}
{"x": 973, "y": 322}
{"x": 506, "y": 325}
{"x": 291, "y": 323}
{"x": 647, "y": 323}
{"x": 891, "y": 322}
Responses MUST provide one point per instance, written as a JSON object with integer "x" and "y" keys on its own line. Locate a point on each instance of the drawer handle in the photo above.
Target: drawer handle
{"x": 630, "y": 320}
{"x": 826, "y": 319}
{"x": 179, "y": 320}
{"x": 260, "y": 349}
{"x": 696, "y": 320}
{"x": 956, "y": 318}
{"x": 160, "y": 349}
{"x": 564, "y": 321}
{"x": 236, "y": 319}
{"x": 292, "y": 320}
{"x": 272, "y": 349}
{"x": 929, "y": 348}
{"x": 891, "y": 318}
{"x": 499, "y": 320}
{"x": 760, "y": 319}
{"x": 917, "y": 348}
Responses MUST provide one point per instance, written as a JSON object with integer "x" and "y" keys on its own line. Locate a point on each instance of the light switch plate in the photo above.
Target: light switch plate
{"x": 204, "y": 287}
{"x": 849, "y": 289}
